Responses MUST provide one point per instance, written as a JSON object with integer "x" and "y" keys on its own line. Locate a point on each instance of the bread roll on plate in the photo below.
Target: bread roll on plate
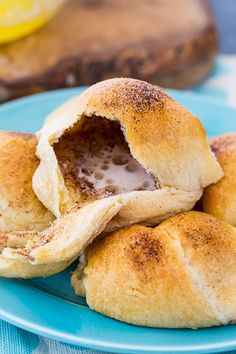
{"x": 119, "y": 137}
{"x": 20, "y": 209}
{"x": 180, "y": 274}
{"x": 220, "y": 199}
{"x": 123, "y": 152}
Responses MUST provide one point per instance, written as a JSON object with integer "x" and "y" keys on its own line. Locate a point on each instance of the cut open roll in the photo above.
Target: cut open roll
{"x": 120, "y": 136}
{"x": 123, "y": 152}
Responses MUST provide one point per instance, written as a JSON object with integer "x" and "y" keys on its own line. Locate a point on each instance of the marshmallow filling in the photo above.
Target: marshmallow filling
{"x": 95, "y": 157}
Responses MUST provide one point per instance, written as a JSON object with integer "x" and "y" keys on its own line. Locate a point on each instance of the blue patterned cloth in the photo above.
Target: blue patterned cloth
{"x": 220, "y": 84}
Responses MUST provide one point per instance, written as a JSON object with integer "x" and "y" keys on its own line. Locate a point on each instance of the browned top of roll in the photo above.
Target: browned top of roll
{"x": 220, "y": 199}
{"x": 179, "y": 274}
{"x": 163, "y": 137}
{"x": 19, "y": 206}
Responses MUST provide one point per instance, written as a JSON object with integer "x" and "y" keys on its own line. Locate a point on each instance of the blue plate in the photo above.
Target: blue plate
{"x": 49, "y": 307}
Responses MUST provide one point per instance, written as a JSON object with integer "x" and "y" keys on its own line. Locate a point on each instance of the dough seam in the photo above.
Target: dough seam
{"x": 207, "y": 293}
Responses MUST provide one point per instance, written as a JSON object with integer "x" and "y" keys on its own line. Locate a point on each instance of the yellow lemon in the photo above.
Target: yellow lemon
{"x": 19, "y": 18}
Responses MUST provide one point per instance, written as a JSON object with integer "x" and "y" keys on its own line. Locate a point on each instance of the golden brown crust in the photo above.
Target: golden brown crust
{"x": 220, "y": 199}
{"x": 166, "y": 139}
{"x": 163, "y": 136}
{"x": 20, "y": 209}
{"x": 210, "y": 245}
{"x": 178, "y": 274}
{"x": 17, "y": 169}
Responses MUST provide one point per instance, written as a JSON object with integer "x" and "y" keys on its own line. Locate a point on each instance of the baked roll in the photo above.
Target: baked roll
{"x": 220, "y": 199}
{"x": 123, "y": 137}
{"x": 123, "y": 152}
{"x": 20, "y": 209}
{"x": 180, "y": 274}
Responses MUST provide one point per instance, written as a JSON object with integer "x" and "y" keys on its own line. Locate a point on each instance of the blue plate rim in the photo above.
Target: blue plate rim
{"x": 100, "y": 345}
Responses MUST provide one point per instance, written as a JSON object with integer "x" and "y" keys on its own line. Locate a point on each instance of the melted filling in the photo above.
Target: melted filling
{"x": 97, "y": 159}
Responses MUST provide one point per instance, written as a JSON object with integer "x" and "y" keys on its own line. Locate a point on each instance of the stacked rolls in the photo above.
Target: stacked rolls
{"x": 123, "y": 153}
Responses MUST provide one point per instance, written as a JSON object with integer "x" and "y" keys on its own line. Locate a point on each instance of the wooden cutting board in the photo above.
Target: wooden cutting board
{"x": 168, "y": 42}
